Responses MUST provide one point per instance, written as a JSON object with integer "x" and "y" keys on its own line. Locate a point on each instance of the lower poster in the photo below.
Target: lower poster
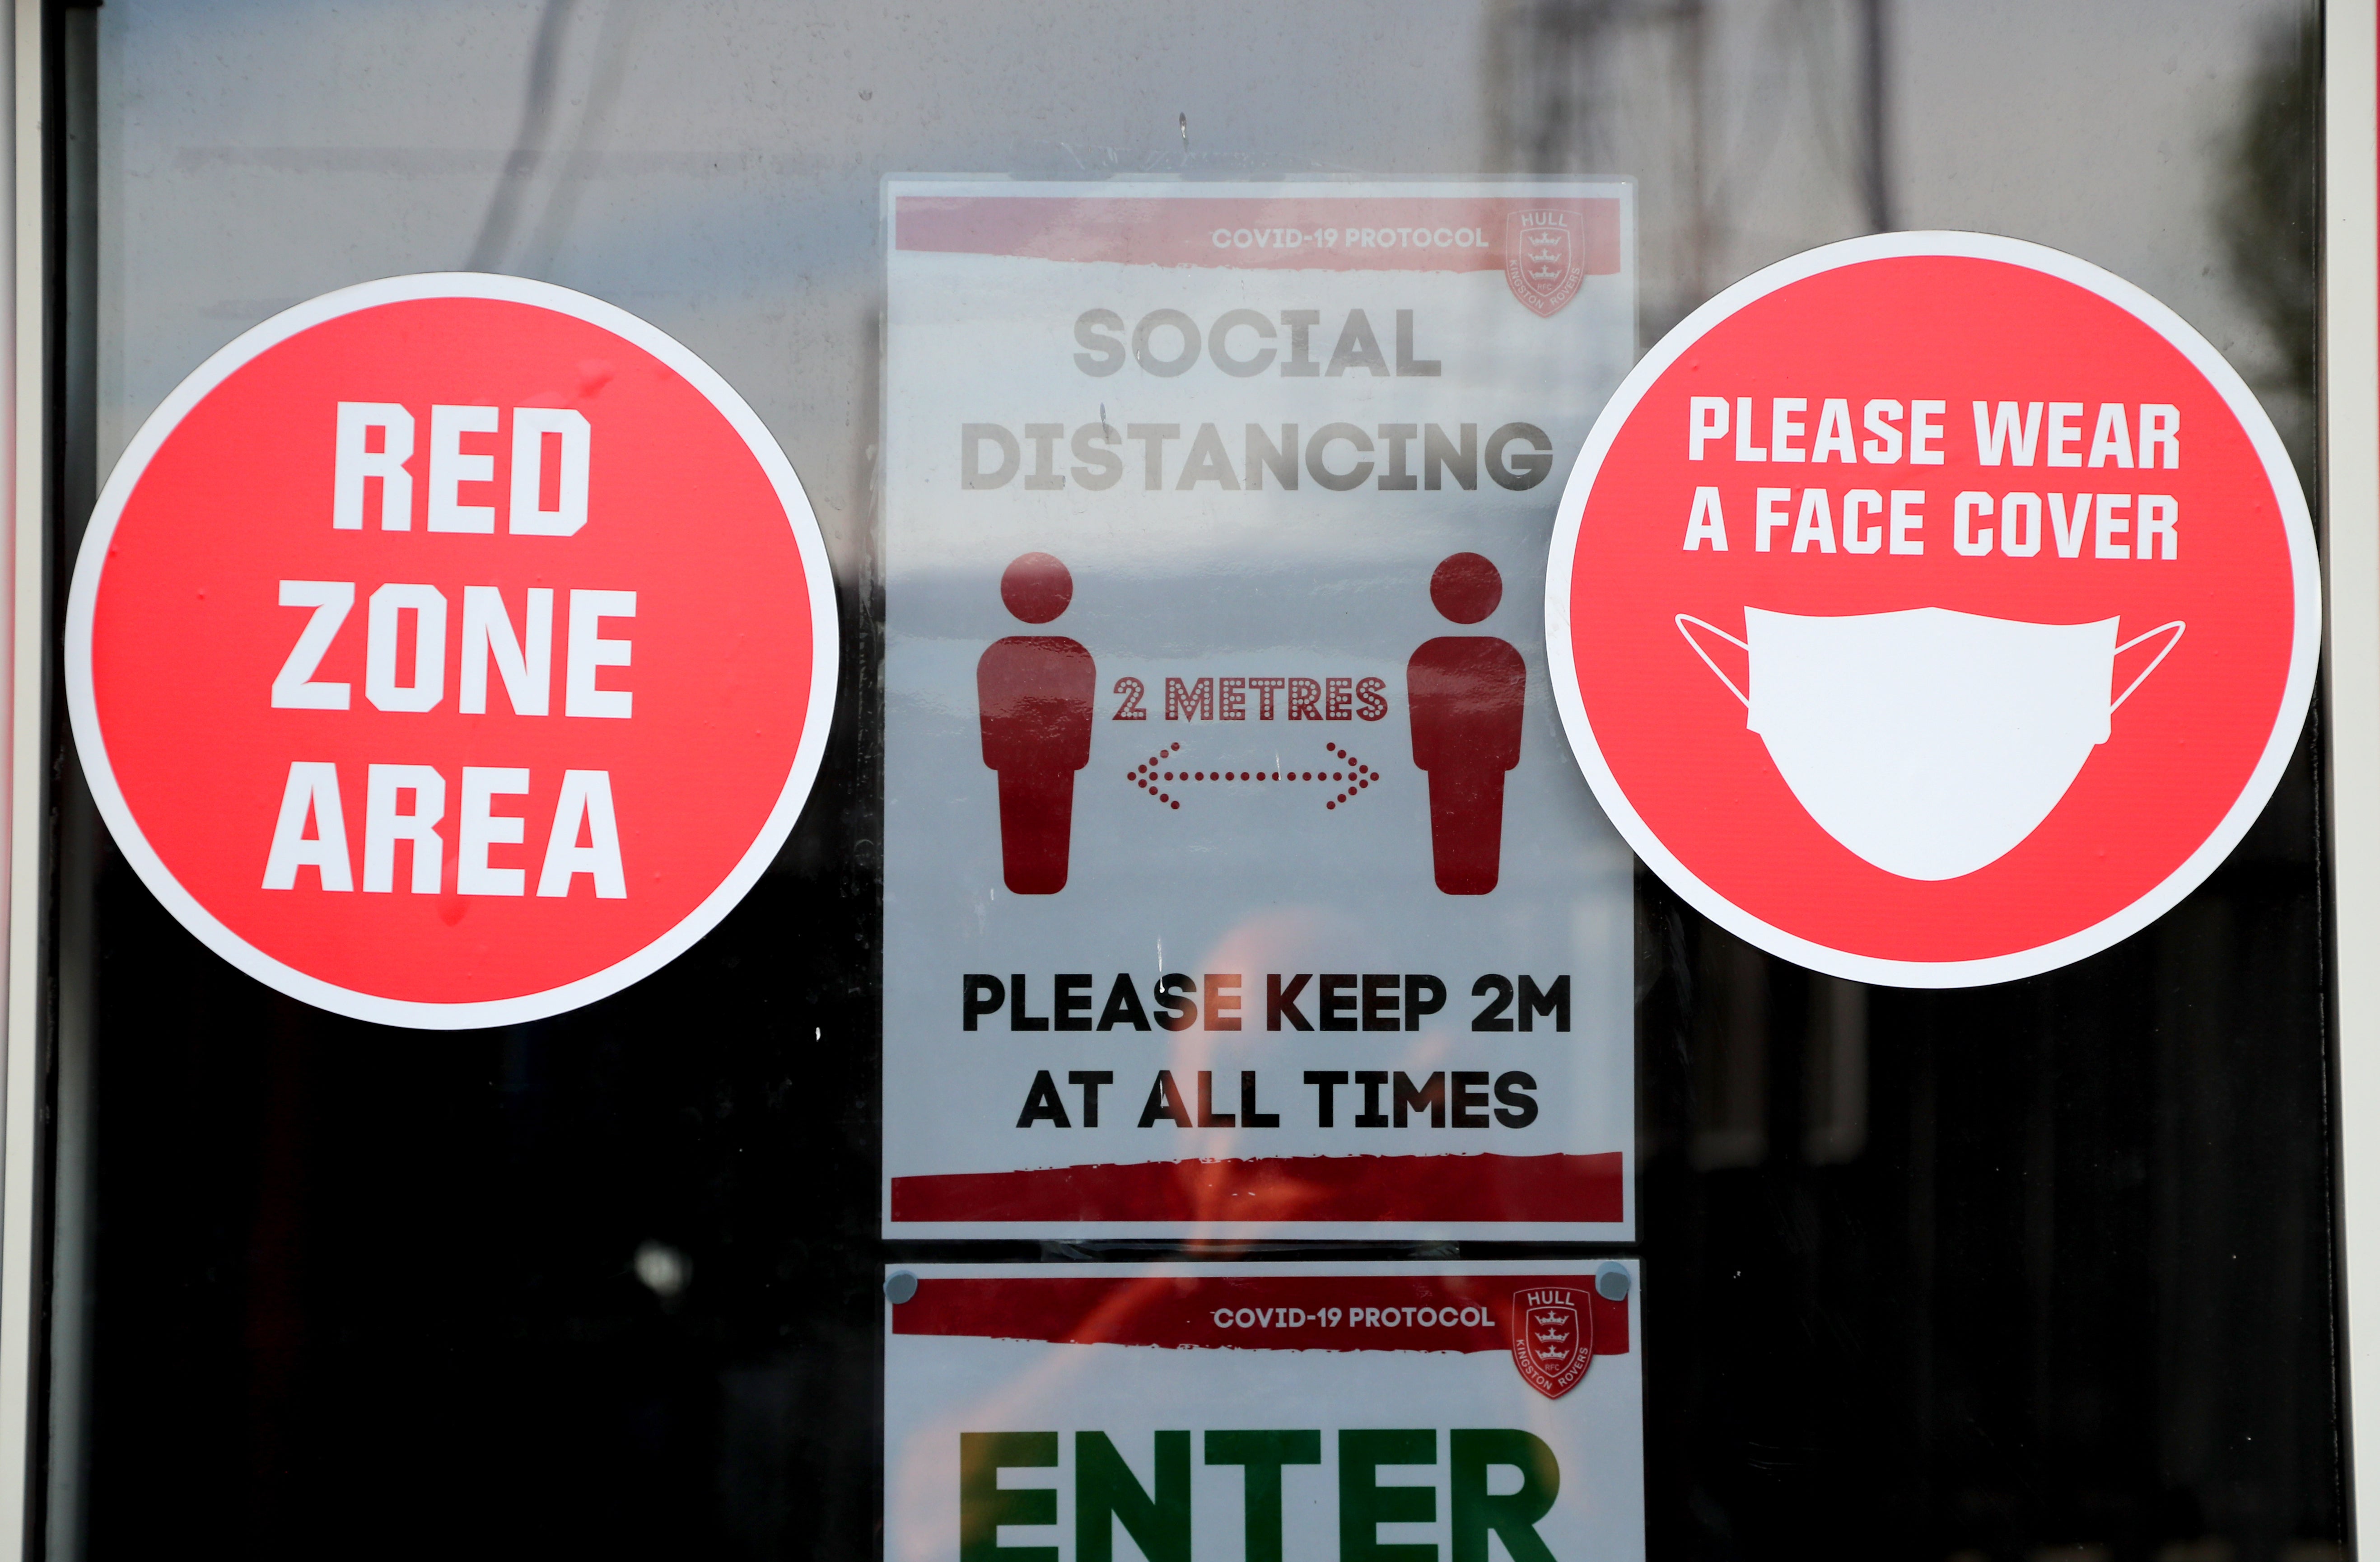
{"x": 1210, "y": 1413}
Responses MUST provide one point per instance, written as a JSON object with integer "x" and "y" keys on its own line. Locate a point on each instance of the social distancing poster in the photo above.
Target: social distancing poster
{"x": 1371, "y": 1412}
{"x": 1237, "y": 874}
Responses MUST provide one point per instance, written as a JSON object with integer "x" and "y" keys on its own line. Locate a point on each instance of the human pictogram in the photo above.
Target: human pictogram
{"x": 1034, "y": 697}
{"x": 1465, "y": 694}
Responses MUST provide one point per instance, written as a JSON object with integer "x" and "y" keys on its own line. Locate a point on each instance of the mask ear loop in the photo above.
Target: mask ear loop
{"x": 1682, "y": 620}
{"x": 2177, "y": 627}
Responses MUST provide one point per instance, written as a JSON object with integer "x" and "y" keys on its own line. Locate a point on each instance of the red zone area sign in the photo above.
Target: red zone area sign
{"x": 450, "y": 651}
{"x": 1933, "y": 609}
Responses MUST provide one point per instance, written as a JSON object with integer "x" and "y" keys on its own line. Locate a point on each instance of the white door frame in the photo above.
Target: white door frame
{"x": 24, "y": 416}
{"x": 2350, "y": 468}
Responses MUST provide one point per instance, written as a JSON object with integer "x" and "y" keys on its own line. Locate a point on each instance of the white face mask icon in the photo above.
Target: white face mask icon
{"x": 1928, "y": 742}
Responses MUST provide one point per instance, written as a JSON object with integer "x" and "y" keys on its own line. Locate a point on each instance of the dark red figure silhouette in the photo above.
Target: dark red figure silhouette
{"x": 1035, "y": 695}
{"x": 1465, "y": 693}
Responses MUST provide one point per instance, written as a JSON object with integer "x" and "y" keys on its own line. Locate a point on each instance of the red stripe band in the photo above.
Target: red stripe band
{"x": 1453, "y": 1312}
{"x": 1339, "y": 1188}
{"x": 1303, "y": 233}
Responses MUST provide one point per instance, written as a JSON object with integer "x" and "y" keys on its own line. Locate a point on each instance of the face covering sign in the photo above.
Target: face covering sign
{"x": 1933, "y": 609}
{"x": 450, "y": 651}
{"x": 1371, "y": 1412}
{"x": 1235, "y": 874}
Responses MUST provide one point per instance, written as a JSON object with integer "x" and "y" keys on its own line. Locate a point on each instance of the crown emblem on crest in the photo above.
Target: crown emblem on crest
{"x": 1544, "y": 258}
{"x": 1553, "y": 1337}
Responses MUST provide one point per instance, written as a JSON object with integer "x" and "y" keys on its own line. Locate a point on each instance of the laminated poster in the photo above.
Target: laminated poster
{"x": 1237, "y": 872}
{"x": 1250, "y": 1413}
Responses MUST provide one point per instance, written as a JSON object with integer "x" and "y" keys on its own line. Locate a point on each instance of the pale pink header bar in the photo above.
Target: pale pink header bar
{"x": 1304, "y": 233}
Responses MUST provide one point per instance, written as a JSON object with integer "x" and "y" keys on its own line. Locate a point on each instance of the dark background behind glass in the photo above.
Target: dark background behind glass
{"x": 1987, "y": 1273}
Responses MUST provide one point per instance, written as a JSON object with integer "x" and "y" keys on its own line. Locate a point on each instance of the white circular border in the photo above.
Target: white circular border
{"x": 2296, "y": 693}
{"x": 83, "y": 713}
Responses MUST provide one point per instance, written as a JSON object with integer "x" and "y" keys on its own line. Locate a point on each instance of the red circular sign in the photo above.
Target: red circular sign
{"x": 1933, "y": 609}
{"x": 450, "y": 651}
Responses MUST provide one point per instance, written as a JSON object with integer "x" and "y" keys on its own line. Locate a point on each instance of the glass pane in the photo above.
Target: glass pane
{"x": 1985, "y": 1273}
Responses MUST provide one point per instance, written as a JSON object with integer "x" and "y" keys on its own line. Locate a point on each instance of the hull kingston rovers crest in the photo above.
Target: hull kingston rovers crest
{"x": 1553, "y": 1338}
{"x": 1544, "y": 259}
